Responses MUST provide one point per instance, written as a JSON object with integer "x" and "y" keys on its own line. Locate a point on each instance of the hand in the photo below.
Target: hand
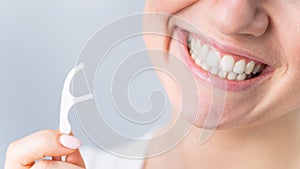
{"x": 23, "y": 153}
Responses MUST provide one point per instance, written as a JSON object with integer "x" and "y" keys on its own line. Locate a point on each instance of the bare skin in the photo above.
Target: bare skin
{"x": 270, "y": 145}
{"x": 261, "y": 126}
{"x": 22, "y": 153}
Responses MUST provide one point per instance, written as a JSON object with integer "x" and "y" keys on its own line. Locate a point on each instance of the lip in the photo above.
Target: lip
{"x": 237, "y": 54}
{"x": 182, "y": 36}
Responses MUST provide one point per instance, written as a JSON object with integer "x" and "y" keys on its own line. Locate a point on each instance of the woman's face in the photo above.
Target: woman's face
{"x": 250, "y": 46}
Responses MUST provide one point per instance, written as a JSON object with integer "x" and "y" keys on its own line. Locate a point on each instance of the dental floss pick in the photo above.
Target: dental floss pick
{"x": 68, "y": 100}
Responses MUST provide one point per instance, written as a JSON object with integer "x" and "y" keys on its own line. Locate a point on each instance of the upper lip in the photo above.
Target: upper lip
{"x": 230, "y": 50}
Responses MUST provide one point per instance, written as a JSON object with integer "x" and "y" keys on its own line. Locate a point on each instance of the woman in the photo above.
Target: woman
{"x": 257, "y": 44}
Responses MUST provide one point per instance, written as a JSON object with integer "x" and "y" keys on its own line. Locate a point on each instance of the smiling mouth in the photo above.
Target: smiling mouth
{"x": 225, "y": 66}
{"x": 238, "y": 69}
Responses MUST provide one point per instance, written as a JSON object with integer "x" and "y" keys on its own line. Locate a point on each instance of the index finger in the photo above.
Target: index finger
{"x": 23, "y": 153}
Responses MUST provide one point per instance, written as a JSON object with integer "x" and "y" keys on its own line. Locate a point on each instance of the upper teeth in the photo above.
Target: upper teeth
{"x": 224, "y": 66}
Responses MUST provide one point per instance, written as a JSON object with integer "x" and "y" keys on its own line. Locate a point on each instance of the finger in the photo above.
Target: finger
{"x": 54, "y": 165}
{"x": 76, "y": 159}
{"x": 23, "y": 153}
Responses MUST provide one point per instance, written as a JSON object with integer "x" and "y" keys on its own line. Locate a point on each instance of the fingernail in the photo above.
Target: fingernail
{"x": 70, "y": 141}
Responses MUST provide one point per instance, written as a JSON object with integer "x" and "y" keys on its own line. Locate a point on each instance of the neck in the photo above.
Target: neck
{"x": 269, "y": 145}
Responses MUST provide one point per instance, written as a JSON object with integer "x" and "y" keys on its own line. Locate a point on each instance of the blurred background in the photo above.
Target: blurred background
{"x": 39, "y": 43}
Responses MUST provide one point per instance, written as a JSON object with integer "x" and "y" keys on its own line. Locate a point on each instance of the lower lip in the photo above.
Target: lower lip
{"x": 214, "y": 80}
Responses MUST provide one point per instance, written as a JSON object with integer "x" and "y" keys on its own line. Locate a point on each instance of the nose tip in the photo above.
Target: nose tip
{"x": 240, "y": 17}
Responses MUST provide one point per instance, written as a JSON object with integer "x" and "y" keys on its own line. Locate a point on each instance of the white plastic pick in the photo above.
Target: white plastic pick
{"x": 68, "y": 100}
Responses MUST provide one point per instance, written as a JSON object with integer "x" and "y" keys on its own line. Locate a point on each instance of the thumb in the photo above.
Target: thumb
{"x": 76, "y": 159}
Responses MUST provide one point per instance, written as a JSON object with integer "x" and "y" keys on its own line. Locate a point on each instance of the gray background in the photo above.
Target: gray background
{"x": 39, "y": 43}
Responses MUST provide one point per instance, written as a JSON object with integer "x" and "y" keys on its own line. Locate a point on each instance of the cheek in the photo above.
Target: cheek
{"x": 182, "y": 89}
{"x": 157, "y": 22}
{"x": 167, "y": 6}
{"x": 288, "y": 33}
